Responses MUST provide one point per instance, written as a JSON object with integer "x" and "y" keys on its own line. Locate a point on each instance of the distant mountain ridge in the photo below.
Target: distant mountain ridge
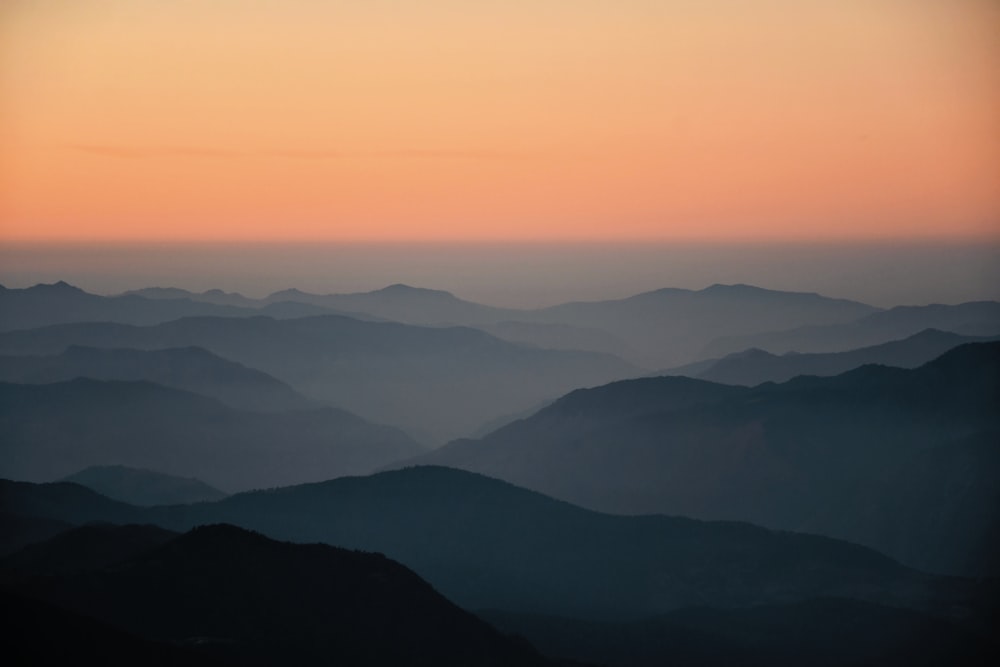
{"x": 189, "y": 368}
{"x": 437, "y": 383}
{"x": 904, "y": 461}
{"x": 754, "y": 366}
{"x": 61, "y": 303}
{"x": 137, "y": 486}
{"x": 54, "y": 430}
{"x": 974, "y": 318}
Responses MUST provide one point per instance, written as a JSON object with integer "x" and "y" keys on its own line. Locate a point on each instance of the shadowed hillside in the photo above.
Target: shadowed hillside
{"x": 901, "y": 460}
{"x": 54, "y": 430}
{"x": 190, "y": 368}
{"x": 243, "y": 596}
{"x": 438, "y": 383}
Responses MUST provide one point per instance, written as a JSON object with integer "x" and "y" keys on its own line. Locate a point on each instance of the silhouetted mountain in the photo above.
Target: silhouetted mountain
{"x": 654, "y": 329}
{"x": 440, "y": 382}
{"x": 19, "y": 530}
{"x": 39, "y": 633}
{"x": 190, "y": 368}
{"x": 753, "y": 367}
{"x": 402, "y": 303}
{"x": 256, "y": 600}
{"x": 976, "y": 318}
{"x": 62, "y": 502}
{"x": 823, "y": 632}
{"x": 487, "y": 544}
{"x": 144, "y": 487}
{"x": 60, "y": 303}
{"x": 89, "y": 547}
{"x": 670, "y": 326}
{"x": 904, "y": 461}
{"x": 216, "y": 296}
{"x": 53, "y": 430}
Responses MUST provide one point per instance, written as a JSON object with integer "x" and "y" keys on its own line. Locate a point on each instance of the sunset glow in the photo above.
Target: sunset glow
{"x": 542, "y": 120}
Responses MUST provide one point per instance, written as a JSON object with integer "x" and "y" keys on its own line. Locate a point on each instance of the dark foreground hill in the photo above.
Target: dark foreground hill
{"x": 144, "y": 487}
{"x": 486, "y": 544}
{"x": 439, "y": 382}
{"x": 905, "y": 461}
{"x": 54, "y": 430}
{"x": 824, "y": 632}
{"x": 223, "y": 591}
{"x": 189, "y": 368}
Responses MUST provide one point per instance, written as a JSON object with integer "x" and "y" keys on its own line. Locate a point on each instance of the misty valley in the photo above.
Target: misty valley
{"x": 725, "y": 476}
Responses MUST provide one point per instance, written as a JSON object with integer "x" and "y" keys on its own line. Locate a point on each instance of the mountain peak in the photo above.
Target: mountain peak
{"x": 403, "y": 289}
{"x": 61, "y": 287}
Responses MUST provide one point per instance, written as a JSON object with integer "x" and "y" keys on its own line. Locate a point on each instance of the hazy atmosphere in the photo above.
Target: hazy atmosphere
{"x": 535, "y": 333}
{"x": 523, "y": 275}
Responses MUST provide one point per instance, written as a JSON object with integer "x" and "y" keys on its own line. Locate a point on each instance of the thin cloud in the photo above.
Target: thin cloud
{"x": 141, "y": 152}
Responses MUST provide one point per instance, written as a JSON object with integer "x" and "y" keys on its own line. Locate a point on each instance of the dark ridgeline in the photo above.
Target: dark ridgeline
{"x": 754, "y": 366}
{"x": 904, "y": 461}
{"x": 486, "y": 544}
{"x": 598, "y": 589}
{"x": 144, "y": 487}
{"x": 824, "y": 632}
{"x": 189, "y": 368}
{"x": 901, "y": 460}
{"x": 55, "y": 430}
{"x": 61, "y": 303}
{"x": 222, "y": 592}
{"x": 437, "y": 382}
{"x": 975, "y": 318}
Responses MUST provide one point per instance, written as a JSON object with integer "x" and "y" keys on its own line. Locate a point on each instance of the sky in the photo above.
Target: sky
{"x": 521, "y": 121}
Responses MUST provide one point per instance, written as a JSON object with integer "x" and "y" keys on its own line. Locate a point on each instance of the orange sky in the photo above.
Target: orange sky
{"x": 514, "y": 120}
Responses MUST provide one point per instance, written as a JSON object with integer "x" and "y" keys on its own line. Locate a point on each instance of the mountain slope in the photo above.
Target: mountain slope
{"x": 488, "y": 545}
{"x": 827, "y": 632}
{"x": 439, "y": 382}
{"x": 143, "y": 487}
{"x": 50, "y": 431}
{"x": 670, "y": 326}
{"x": 753, "y": 367}
{"x": 190, "y": 368}
{"x": 253, "y": 599}
{"x": 975, "y": 318}
{"x": 835, "y": 456}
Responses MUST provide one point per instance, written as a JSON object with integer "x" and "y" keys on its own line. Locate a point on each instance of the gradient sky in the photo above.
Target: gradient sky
{"x": 518, "y": 120}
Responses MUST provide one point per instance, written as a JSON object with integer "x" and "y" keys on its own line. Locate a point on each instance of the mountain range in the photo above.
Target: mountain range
{"x": 436, "y": 383}
{"x": 54, "y": 430}
{"x": 904, "y": 461}
{"x": 137, "y": 486}
{"x": 754, "y": 366}
{"x": 192, "y": 369}
{"x": 486, "y": 544}
{"x": 223, "y": 592}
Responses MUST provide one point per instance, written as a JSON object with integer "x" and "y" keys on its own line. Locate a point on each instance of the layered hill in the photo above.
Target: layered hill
{"x": 59, "y": 303}
{"x": 755, "y": 366}
{"x": 54, "y": 430}
{"x": 653, "y": 329}
{"x": 144, "y": 487}
{"x": 975, "y": 318}
{"x": 488, "y": 545}
{"x": 438, "y": 383}
{"x": 189, "y": 368}
{"x": 248, "y": 599}
{"x": 905, "y": 461}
